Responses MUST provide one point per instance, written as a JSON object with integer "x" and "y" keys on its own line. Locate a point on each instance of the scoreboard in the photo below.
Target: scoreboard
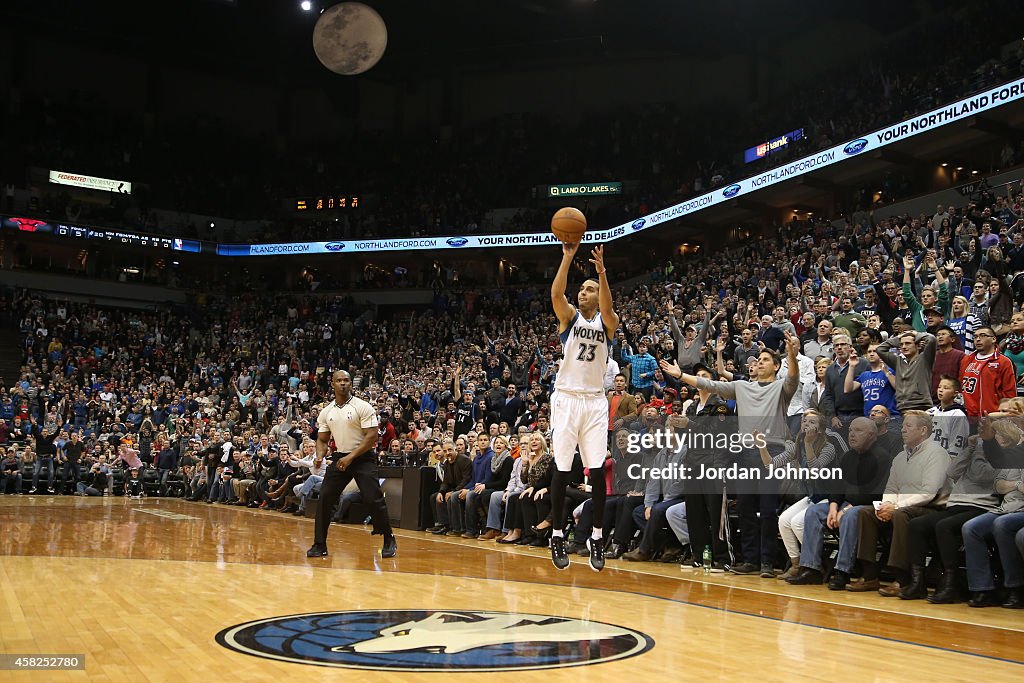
{"x": 333, "y": 202}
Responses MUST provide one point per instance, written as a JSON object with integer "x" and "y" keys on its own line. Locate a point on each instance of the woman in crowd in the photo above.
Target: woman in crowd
{"x": 963, "y": 322}
{"x": 812, "y": 450}
{"x": 1000, "y": 306}
{"x": 497, "y": 529}
{"x": 522, "y": 510}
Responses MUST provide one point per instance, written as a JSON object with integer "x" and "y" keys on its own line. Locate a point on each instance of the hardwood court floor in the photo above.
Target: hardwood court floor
{"x": 144, "y": 587}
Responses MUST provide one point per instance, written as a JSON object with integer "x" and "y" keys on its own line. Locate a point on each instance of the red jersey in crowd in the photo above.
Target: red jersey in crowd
{"x": 984, "y": 381}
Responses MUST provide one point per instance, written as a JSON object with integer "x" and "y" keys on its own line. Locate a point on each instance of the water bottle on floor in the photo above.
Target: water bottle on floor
{"x": 707, "y": 559}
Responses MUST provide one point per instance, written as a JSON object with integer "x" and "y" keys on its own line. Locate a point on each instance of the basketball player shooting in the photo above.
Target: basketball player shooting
{"x": 579, "y": 406}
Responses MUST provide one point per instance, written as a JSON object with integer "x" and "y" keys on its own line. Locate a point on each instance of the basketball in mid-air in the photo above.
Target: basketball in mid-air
{"x": 569, "y": 224}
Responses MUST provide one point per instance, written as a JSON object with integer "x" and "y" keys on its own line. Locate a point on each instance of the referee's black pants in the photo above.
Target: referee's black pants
{"x": 364, "y": 470}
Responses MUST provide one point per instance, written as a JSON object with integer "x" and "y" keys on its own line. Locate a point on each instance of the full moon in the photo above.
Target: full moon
{"x": 350, "y": 38}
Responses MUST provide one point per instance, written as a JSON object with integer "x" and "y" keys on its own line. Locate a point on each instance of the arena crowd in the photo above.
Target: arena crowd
{"x": 890, "y": 351}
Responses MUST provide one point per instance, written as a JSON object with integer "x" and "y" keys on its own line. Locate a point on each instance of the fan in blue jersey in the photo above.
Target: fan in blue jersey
{"x": 877, "y": 383}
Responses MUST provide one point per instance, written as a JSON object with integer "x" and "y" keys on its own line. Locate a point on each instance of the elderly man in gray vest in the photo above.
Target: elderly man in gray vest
{"x": 917, "y": 485}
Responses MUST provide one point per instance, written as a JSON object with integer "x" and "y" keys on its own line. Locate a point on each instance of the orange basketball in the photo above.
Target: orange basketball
{"x": 569, "y": 224}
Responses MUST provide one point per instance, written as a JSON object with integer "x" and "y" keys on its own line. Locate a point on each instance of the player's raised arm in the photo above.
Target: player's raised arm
{"x": 564, "y": 311}
{"x": 604, "y": 292}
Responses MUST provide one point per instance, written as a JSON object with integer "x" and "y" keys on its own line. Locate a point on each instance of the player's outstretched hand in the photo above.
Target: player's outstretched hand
{"x": 670, "y": 368}
{"x": 598, "y": 258}
{"x": 569, "y": 248}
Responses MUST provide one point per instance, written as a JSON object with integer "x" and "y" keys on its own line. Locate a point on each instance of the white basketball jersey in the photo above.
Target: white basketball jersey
{"x": 585, "y": 347}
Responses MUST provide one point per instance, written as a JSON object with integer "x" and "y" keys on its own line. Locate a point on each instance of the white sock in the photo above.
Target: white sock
{"x": 597, "y": 534}
{"x": 556, "y": 533}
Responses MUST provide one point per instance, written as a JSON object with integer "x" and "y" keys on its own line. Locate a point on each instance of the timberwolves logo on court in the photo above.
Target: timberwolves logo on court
{"x": 431, "y": 640}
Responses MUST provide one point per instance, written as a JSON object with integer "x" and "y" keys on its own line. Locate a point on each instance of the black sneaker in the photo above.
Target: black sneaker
{"x": 559, "y": 558}
{"x": 596, "y": 554}
{"x": 316, "y": 551}
{"x": 767, "y": 571}
{"x": 744, "y": 568}
{"x": 810, "y": 577}
{"x": 838, "y": 581}
{"x": 390, "y": 548}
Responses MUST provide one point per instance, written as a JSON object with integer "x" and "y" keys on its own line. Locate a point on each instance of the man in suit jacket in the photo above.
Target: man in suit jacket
{"x": 838, "y": 404}
{"x": 770, "y": 335}
{"x": 454, "y": 474}
{"x": 621, "y": 404}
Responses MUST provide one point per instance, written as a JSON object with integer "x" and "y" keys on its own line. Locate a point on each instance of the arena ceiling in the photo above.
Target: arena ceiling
{"x": 270, "y": 39}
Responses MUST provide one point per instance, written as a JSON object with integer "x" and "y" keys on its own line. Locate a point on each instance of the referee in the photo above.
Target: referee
{"x": 352, "y": 423}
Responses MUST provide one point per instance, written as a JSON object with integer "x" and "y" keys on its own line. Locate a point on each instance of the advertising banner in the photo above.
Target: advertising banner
{"x": 90, "y": 182}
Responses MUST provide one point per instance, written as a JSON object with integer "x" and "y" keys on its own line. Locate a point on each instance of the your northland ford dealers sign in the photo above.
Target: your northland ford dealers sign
{"x": 984, "y": 101}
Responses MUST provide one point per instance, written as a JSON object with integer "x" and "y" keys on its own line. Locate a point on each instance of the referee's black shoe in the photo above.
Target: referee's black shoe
{"x": 316, "y": 551}
{"x": 596, "y": 553}
{"x": 558, "y": 555}
{"x": 390, "y": 548}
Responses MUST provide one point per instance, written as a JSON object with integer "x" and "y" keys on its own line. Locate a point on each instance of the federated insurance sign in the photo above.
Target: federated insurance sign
{"x": 584, "y": 190}
{"x": 90, "y": 182}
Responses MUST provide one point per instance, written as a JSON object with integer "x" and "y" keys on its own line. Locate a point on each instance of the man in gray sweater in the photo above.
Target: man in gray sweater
{"x": 973, "y": 494}
{"x": 761, "y": 406}
{"x": 917, "y": 485}
{"x": 913, "y": 366}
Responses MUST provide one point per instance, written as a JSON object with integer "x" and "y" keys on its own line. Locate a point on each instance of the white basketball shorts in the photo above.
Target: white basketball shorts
{"x": 579, "y": 421}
